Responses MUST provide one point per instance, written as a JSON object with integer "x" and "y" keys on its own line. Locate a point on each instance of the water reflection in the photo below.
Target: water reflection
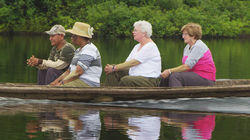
{"x": 144, "y": 127}
{"x": 43, "y": 119}
{"x": 193, "y": 126}
{"x": 81, "y": 122}
{"x": 87, "y": 126}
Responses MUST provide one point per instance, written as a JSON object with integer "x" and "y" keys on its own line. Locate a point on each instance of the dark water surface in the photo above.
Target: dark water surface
{"x": 175, "y": 119}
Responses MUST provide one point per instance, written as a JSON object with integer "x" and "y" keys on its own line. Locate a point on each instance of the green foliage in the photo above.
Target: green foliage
{"x": 170, "y": 4}
{"x": 110, "y": 18}
{"x": 227, "y": 18}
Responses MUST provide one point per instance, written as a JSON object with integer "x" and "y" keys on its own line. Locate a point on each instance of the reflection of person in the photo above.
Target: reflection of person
{"x": 144, "y": 62}
{"x": 144, "y": 128}
{"x": 198, "y": 67}
{"x": 85, "y": 69}
{"x": 88, "y": 127}
{"x": 59, "y": 58}
{"x": 115, "y": 121}
{"x": 194, "y": 126}
{"x": 32, "y": 128}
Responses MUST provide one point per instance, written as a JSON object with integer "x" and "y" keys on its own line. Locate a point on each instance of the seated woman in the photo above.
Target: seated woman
{"x": 85, "y": 69}
{"x": 197, "y": 67}
{"x": 143, "y": 63}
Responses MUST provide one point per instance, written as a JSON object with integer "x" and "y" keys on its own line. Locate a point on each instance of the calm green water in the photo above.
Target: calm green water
{"x": 51, "y": 120}
{"x": 231, "y": 56}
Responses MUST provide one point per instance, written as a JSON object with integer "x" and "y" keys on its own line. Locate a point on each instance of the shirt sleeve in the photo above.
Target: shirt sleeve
{"x": 132, "y": 53}
{"x": 85, "y": 61}
{"x": 59, "y": 64}
{"x": 52, "y": 54}
{"x": 194, "y": 56}
{"x": 67, "y": 53}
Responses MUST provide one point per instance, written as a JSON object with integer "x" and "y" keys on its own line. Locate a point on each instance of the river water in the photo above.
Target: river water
{"x": 192, "y": 119}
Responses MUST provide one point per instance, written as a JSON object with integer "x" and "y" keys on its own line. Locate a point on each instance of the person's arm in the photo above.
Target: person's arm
{"x": 122, "y": 66}
{"x": 59, "y": 79}
{"x": 73, "y": 75}
{"x": 59, "y": 64}
{"x": 181, "y": 68}
{"x": 126, "y": 65}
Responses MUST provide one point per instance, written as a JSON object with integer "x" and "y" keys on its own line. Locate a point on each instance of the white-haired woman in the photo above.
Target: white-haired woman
{"x": 143, "y": 63}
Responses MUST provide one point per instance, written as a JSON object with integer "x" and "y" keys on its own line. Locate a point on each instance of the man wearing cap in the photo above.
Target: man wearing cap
{"x": 59, "y": 59}
{"x": 85, "y": 69}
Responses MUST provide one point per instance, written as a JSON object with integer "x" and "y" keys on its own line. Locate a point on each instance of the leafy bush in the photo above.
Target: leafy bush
{"x": 227, "y": 18}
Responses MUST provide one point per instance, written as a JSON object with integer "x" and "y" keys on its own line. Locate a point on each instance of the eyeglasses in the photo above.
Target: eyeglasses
{"x": 74, "y": 36}
{"x": 185, "y": 34}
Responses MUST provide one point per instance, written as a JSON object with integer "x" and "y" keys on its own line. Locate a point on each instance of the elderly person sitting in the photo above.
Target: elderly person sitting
{"x": 144, "y": 62}
{"x": 197, "y": 67}
{"x": 85, "y": 69}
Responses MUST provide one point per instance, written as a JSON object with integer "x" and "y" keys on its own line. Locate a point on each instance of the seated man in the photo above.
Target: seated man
{"x": 59, "y": 58}
{"x": 86, "y": 68}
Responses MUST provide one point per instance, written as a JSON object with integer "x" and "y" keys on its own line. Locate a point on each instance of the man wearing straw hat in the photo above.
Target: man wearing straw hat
{"x": 59, "y": 58}
{"x": 85, "y": 69}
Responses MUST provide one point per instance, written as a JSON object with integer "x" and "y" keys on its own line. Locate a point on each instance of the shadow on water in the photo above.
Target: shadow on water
{"x": 47, "y": 119}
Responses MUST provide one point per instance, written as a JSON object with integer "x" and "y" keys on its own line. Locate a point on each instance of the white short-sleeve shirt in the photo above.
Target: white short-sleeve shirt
{"x": 150, "y": 59}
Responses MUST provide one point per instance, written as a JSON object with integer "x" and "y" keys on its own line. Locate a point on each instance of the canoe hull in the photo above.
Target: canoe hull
{"x": 26, "y": 91}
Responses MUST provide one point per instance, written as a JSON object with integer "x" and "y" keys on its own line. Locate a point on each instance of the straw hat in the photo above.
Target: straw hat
{"x": 81, "y": 29}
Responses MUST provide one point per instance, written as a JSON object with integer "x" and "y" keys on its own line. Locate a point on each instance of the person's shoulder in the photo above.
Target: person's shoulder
{"x": 90, "y": 46}
{"x": 200, "y": 43}
{"x": 69, "y": 45}
{"x": 151, "y": 45}
{"x": 136, "y": 45}
{"x": 200, "y": 46}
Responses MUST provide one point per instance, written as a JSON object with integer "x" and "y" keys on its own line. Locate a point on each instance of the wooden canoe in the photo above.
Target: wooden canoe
{"x": 223, "y": 88}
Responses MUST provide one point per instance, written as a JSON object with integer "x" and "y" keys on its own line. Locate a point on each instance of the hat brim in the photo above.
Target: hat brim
{"x": 77, "y": 33}
{"x": 50, "y": 33}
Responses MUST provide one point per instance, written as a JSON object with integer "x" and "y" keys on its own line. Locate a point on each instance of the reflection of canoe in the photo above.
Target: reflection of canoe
{"x": 223, "y": 88}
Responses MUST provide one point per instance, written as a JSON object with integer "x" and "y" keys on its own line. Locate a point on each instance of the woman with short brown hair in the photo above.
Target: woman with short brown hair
{"x": 197, "y": 67}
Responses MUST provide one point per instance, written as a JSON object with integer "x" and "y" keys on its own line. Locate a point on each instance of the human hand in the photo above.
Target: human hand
{"x": 165, "y": 73}
{"x": 32, "y": 61}
{"x": 56, "y": 83}
{"x": 108, "y": 69}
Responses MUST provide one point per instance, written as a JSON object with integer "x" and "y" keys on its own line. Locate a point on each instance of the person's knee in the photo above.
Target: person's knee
{"x": 175, "y": 75}
{"x": 51, "y": 71}
{"x": 125, "y": 81}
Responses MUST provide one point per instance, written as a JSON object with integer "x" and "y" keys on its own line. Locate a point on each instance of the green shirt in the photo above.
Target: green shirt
{"x": 66, "y": 53}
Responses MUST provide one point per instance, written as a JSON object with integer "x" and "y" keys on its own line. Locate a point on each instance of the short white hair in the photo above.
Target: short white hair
{"x": 145, "y": 27}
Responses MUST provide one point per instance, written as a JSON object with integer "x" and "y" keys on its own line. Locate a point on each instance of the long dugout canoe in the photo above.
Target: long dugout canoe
{"x": 223, "y": 88}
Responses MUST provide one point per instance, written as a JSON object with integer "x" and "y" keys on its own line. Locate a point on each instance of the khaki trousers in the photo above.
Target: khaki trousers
{"x": 121, "y": 78}
{"x": 76, "y": 83}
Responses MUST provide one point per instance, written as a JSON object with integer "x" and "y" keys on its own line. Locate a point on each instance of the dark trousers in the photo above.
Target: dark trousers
{"x": 179, "y": 79}
{"x": 47, "y": 76}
